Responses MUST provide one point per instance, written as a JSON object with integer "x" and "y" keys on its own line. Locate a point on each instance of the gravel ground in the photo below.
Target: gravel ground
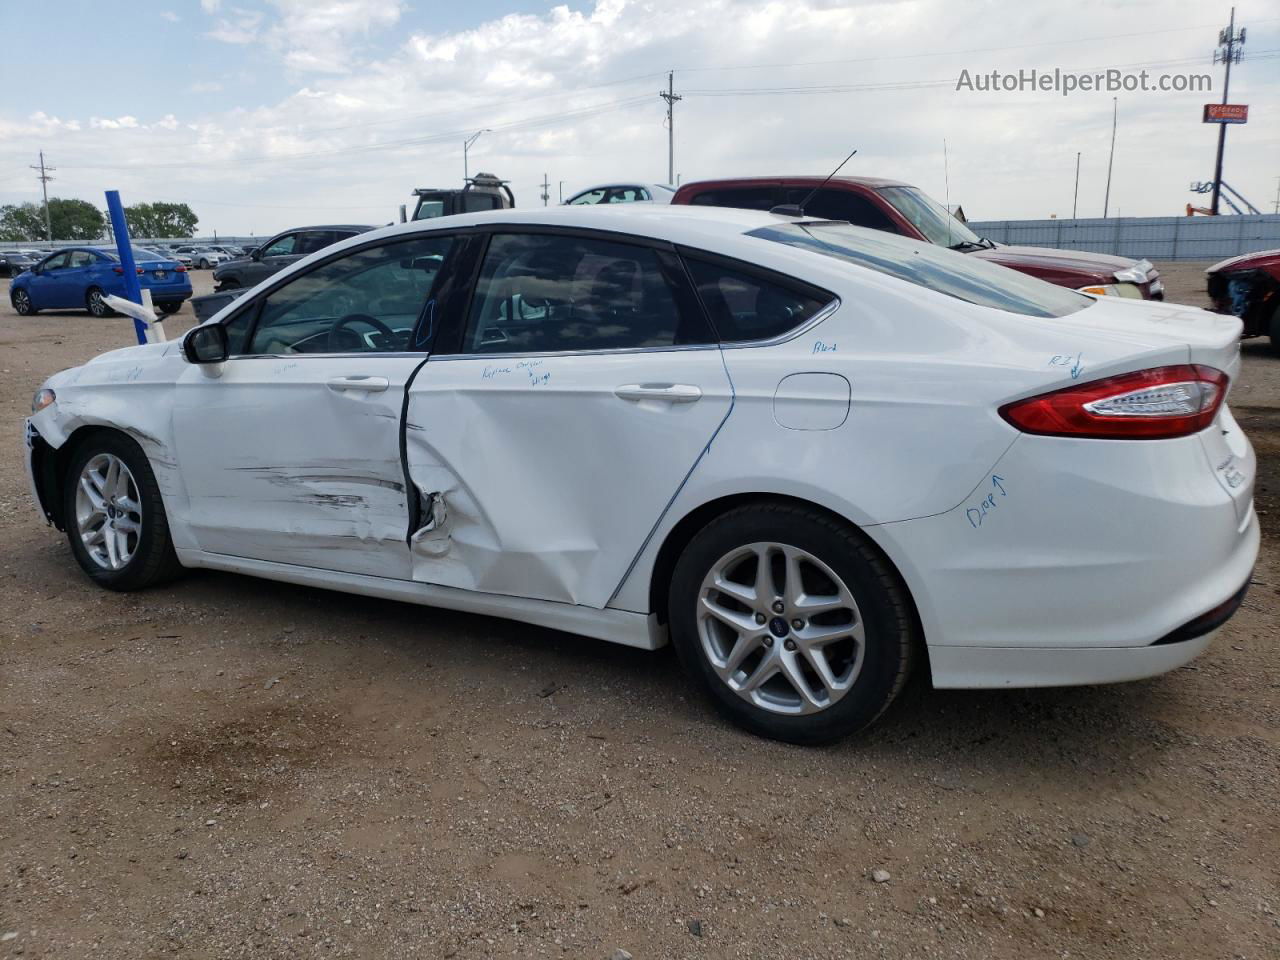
{"x": 228, "y": 767}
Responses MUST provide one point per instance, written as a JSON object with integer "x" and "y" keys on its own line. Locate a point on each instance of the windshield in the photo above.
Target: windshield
{"x": 930, "y": 217}
{"x": 945, "y": 271}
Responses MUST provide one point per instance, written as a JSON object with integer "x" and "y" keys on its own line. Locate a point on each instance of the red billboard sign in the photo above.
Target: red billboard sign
{"x": 1226, "y": 113}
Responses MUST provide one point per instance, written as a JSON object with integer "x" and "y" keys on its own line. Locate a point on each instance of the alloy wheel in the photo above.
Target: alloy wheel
{"x": 97, "y": 306}
{"x": 22, "y": 302}
{"x": 108, "y": 511}
{"x": 780, "y": 628}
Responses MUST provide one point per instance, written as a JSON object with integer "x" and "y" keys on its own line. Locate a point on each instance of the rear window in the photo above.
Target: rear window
{"x": 747, "y": 306}
{"x": 956, "y": 274}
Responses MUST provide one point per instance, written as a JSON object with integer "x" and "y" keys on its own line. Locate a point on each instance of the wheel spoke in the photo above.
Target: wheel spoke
{"x": 818, "y": 661}
{"x": 122, "y": 547}
{"x": 817, "y": 635}
{"x": 111, "y": 479}
{"x": 129, "y": 505}
{"x": 739, "y": 591}
{"x": 808, "y": 606}
{"x": 764, "y": 670}
{"x": 94, "y": 496}
{"x": 93, "y": 537}
{"x": 743, "y": 647}
{"x": 794, "y": 587}
{"x": 127, "y": 525}
{"x": 109, "y": 541}
{"x": 741, "y": 622}
{"x": 766, "y": 589}
{"x": 795, "y": 676}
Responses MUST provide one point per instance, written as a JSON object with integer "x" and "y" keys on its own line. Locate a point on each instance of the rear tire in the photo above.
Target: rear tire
{"x": 114, "y": 515}
{"x": 95, "y": 304}
{"x": 168, "y": 308}
{"x": 813, "y": 652}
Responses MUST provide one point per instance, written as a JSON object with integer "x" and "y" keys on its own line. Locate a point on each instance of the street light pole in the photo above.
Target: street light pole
{"x": 1106, "y": 200}
{"x": 466, "y": 145}
{"x": 1076, "y": 196}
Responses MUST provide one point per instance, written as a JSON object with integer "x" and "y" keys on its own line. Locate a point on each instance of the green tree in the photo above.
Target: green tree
{"x": 75, "y": 220}
{"x": 21, "y": 222}
{"x": 161, "y": 220}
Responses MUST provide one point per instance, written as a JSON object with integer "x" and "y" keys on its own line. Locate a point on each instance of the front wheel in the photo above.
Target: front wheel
{"x": 168, "y": 308}
{"x": 793, "y": 623}
{"x": 96, "y": 304}
{"x": 21, "y": 301}
{"x": 114, "y": 516}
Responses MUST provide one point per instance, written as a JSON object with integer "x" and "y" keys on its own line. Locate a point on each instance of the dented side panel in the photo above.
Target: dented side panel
{"x": 537, "y": 479}
{"x": 281, "y": 464}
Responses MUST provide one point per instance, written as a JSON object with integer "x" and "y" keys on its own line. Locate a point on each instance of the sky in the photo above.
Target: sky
{"x": 270, "y": 114}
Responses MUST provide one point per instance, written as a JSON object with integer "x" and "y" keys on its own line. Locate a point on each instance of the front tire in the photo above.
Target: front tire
{"x": 95, "y": 304}
{"x": 168, "y": 309}
{"x": 21, "y": 301}
{"x": 792, "y": 622}
{"x": 115, "y": 519}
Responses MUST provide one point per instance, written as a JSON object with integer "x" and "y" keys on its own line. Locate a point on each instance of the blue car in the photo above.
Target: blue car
{"x": 79, "y": 277}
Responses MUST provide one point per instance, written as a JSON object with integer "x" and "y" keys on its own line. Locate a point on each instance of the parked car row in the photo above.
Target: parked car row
{"x": 814, "y": 456}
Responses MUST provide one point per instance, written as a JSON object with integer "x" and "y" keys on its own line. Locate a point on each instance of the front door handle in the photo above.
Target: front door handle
{"x": 365, "y": 384}
{"x": 667, "y": 392}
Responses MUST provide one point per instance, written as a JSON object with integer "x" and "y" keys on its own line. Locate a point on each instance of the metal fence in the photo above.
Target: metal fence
{"x": 1156, "y": 238}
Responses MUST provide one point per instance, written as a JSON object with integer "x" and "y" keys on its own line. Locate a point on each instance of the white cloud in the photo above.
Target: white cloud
{"x": 384, "y": 103}
{"x": 119, "y": 123}
{"x": 205, "y": 86}
{"x": 170, "y": 16}
{"x": 238, "y": 25}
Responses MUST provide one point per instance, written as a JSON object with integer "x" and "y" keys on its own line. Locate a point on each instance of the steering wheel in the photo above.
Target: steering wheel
{"x": 340, "y": 325}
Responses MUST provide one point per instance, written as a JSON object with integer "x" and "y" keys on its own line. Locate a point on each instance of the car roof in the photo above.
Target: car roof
{"x": 362, "y": 227}
{"x": 792, "y": 181}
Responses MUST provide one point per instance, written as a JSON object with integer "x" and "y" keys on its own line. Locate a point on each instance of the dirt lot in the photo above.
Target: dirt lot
{"x": 228, "y": 767}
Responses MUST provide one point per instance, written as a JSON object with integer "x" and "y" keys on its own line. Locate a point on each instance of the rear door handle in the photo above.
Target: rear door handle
{"x": 365, "y": 384}
{"x": 667, "y": 392}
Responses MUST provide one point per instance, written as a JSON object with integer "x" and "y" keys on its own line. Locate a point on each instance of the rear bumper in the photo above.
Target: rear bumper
{"x": 980, "y": 668}
{"x": 1103, "y": 564}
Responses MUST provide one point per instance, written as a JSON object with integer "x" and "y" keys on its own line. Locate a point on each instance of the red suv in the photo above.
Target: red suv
{"x": 906, "y": 210}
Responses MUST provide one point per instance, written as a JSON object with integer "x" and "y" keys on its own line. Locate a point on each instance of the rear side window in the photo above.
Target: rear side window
{"x": 842, "y": 205}
{"x": 936, "y": 268}
{"x": 540, "y": 293}
{"x": 748, "y": 306}
{"x": 744, "y": 198}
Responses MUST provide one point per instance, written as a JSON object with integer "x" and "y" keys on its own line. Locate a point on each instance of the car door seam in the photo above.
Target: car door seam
{"x": 733, "y": 396}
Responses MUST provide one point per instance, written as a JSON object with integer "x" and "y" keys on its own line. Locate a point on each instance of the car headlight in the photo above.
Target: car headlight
{"x": 44, "y": 398}
{"x": 1137, "y": 273}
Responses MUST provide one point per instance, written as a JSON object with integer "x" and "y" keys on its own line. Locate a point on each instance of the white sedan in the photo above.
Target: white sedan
{"x": 813, "y": 456}
{"x": 623, "y": 192}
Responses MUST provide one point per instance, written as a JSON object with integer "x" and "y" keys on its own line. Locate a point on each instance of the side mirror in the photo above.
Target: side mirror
{"x": 206, "y": 344}
{"x": 256, "y": 254}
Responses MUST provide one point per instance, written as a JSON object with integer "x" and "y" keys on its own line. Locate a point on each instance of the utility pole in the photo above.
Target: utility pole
{"x": 1076, "y": 196}
{"x": 562, "y": 191}
{"x": 1228, "y": 52}
{"x": 1106, "y": 200}
{"x": 1277, "y": 209}
{"x": 669, "y": 95}
{"x": 44, "y": 179}
{"x": 546, "y": 189}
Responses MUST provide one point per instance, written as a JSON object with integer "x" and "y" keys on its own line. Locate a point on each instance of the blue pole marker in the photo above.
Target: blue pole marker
{"x": 132, "y": 288}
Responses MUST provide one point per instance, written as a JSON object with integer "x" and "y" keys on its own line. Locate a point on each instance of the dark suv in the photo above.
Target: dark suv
{"x": 278, "y": 252}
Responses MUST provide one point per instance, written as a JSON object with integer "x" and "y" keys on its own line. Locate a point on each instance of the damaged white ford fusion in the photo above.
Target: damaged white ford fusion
{"x": 814, "y": 456}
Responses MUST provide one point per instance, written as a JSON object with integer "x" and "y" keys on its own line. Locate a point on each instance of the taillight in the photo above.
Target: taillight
{"x": 1154, "y": 404}
{"x": 119, "y": 270}
{"x": 179, "y": 269}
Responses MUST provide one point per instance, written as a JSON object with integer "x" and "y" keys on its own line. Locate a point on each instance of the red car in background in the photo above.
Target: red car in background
{"x": 1248, "y": 287}
{"x": 903, "y": 209}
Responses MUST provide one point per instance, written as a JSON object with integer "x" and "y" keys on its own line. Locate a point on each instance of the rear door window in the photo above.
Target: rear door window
{"x": 747, "y": 305}
{"x": 541, "y": 293}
